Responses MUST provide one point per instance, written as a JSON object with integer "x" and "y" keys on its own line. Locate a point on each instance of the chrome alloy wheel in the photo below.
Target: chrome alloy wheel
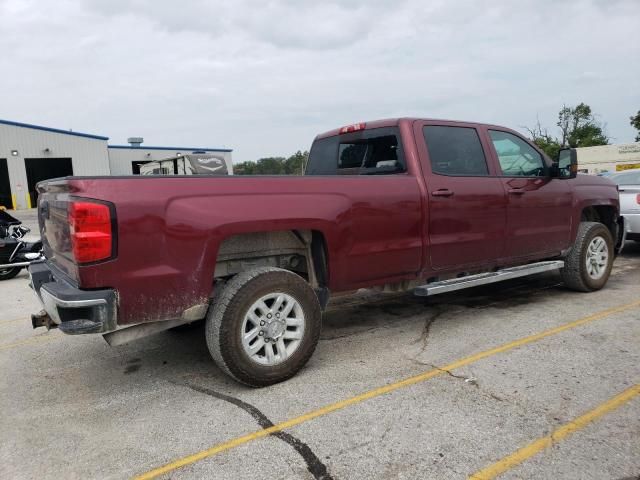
{"x": 597, "y": 258}
{"x": 273, "y": 328}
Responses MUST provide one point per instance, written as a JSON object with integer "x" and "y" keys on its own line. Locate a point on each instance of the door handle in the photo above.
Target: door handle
{"x": 516, "y": 191}
{"x": 442, "y": 192}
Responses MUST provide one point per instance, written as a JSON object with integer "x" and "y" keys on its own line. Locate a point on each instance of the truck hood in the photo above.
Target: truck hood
{"x": 586, "y": 180}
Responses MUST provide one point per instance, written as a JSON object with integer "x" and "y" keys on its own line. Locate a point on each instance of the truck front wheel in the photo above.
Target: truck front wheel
{"x": 588, "y": 264}
{"x": 264, "y": 326}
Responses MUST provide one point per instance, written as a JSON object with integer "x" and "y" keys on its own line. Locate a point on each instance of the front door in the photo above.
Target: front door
{"x": 538, "y": 208}
{"x": 467, "y": 204}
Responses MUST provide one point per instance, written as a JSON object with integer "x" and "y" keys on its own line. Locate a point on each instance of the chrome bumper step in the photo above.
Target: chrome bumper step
{"x": 486, "y": 278}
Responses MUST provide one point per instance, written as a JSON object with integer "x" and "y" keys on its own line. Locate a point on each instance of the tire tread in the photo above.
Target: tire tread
{"x": 573, "y": 273}
{"x": 218, "y": 342}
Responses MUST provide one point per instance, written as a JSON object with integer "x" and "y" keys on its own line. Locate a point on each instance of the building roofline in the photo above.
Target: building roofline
{"x": 145, "y": 147}
{"x": 100, "y": 137}
{"x": 618, "y": 145}
{"x": 53, "y": 130}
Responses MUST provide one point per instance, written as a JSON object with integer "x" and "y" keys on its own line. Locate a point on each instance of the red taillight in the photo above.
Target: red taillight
{"x": 638, "y": 199}
{"x": 90, "y": 228}
{"x": 353, "y": 128}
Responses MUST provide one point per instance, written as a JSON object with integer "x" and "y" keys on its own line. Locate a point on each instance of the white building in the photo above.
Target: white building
{"x": 32, "y": 153}
{"x": 608, "y": 158}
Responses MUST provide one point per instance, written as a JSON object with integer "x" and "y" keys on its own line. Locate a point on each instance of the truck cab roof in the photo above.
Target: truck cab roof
{"x": 395, "y": 122}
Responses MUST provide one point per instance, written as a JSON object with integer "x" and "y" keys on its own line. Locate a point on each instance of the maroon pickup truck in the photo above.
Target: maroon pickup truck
{"x": 427, "y": 205}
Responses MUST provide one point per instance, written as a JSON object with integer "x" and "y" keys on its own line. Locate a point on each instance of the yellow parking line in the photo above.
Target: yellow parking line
{"x": 169, "y": 467}
{"x": 23, "y": 319}
{"x": 28, "y": 341}
{"x": 507, "y": 463}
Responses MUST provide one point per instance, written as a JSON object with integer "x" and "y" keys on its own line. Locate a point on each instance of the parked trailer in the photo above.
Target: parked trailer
{"x": 189, "y": 165}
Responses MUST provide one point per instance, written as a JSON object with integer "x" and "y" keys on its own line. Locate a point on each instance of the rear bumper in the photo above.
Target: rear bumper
{"x": 72, "y": 310}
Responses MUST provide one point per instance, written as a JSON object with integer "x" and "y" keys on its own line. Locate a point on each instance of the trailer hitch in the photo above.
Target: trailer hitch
{"x": 42, "y": 319}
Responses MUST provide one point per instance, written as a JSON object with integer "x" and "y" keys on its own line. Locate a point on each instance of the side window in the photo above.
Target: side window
{"x": 455, "y": 151}
{"x": 517, "y": 158}
{"x": 369, "y": 152}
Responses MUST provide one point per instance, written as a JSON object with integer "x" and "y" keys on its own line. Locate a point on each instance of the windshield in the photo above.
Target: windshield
{"x": 627, "y": 178}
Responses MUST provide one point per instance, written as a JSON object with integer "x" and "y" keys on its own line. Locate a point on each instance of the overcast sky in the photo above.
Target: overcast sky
{"x": 264, "y": 77}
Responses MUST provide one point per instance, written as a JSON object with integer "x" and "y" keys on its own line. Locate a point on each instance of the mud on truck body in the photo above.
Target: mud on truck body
{"x": 401, "y": 204}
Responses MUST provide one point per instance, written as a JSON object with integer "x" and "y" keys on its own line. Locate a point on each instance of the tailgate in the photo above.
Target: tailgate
{"x": 53, "y": 202}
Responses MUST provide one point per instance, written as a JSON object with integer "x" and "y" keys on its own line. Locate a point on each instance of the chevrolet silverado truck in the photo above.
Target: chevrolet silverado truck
{"x": 403, "y": 204}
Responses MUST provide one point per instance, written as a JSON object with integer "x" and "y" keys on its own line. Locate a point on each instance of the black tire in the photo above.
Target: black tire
{"x": 225, "y": 321}
{"x": 9, "y": 273}
{"x": 575, "y": 274}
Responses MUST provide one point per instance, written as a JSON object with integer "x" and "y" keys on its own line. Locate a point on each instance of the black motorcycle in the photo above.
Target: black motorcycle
{"x": 15, "y": 253}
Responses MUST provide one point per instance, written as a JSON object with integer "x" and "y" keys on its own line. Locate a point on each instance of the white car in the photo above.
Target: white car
{"x": 629, "y": 187}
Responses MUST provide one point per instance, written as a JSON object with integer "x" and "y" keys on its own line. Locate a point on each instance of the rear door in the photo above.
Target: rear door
{"x": 538, "y": 208}
{"x": 467, "y": 204}
{"x": 383, "y": 226}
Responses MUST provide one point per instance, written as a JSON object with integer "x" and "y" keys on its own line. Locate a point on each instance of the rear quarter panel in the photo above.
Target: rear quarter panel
{"x": 170, "y": 230}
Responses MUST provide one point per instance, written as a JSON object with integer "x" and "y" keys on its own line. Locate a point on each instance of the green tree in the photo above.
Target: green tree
{"x": 543, "y": 139}
{"x": 578, "y": 128}
{"x": 245, "y": 168}
{"x": 635, "y": 123}
{"x": 270, "y": 166}
{"x": 294, "y": 165}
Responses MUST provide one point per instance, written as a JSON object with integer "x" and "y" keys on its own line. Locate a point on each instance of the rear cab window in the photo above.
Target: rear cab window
{"x": 376, "y": 151}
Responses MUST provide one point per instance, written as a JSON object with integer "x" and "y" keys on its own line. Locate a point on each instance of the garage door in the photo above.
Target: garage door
{"x": 39, "y": 169}
{"x": 5, "y": 186}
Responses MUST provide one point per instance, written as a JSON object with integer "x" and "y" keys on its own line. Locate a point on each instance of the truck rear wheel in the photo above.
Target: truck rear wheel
{"x": 264, "y": 326}
{"x": 588, "y": 264}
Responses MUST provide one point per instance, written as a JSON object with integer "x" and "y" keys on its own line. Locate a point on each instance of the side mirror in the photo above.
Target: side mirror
{"x": 567, "y": 164}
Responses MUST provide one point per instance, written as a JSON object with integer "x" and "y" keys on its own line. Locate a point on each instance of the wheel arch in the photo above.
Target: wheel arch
{"x": 605, "y": 214}
{"x": 302, "y": 251}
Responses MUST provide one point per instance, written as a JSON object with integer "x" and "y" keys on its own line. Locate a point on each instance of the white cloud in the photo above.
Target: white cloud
{"x": 265, "y": 77}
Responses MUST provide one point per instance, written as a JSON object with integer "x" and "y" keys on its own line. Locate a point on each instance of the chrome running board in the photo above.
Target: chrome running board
{"x": 486, "y": 278}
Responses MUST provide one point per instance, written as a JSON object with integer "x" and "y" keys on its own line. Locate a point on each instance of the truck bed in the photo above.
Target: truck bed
{"x": 169, "y": 230}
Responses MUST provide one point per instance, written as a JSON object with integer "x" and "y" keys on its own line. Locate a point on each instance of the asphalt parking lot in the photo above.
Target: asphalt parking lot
{"x": 523, "y": 379}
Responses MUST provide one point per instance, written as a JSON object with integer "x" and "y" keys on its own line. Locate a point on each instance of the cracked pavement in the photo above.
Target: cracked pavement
{"x": 75, "y": 408}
